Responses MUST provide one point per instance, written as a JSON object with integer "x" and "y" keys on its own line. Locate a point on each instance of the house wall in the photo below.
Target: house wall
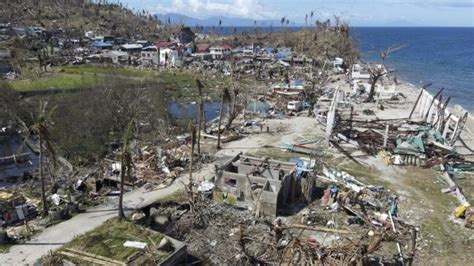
{"x": 178, "y": 257}
{"x": 274, "y": 194}
{"x": 173, "y": 57}
{"x": 152, "y": 56}
{"x": 267, "y": 203}
{"x": 14, "y": 163}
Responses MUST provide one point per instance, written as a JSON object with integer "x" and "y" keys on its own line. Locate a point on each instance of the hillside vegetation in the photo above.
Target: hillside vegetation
{"x": 100, "y": 16}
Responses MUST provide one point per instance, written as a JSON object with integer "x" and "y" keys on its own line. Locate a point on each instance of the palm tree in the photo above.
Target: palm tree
{"x": 282, "y": 21}
{"x": 200, "y": 114}
{"x": 37, "y": 125}
{"x": 221, "y": 112}
{"x": 220, "y": 26}
{"x": 384, "y": 54}
{"x": 126, "y": 165}
{"x": 379, "y": 72}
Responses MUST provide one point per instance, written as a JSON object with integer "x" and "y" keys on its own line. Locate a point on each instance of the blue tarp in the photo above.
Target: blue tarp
{"x": 281, "y": 55}
{"x": 298, "y": 82}
{"x": 101, "y": 44}
{"x": 269, "y": 49}
{"x": 299, "y": 165}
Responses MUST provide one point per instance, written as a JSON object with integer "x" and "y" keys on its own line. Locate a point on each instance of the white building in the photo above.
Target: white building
{"x": 220, "y": 52}
{"x": 150, "y": 55}
{"x": 117, "y": 57}
{"x": 90, "y": 35}
{"x": 358, "y": 72}
{"x": 170, "y": 57}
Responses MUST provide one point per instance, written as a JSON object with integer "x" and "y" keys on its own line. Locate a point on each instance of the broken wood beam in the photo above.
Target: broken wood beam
{"x": 416, "y": 103}
{"x": 347, "y": 154}
{"x": 454, "y": 187}
{"x": 431, "y": 104}
{"x": 95, "y": 256}
{"x": 320, "y": 229}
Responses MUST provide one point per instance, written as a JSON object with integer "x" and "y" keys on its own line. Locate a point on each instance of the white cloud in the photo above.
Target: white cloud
{"x": 206, "y": 8}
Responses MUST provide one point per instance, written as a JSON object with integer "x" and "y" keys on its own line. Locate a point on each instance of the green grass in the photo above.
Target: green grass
{"x": 359, "y": 170}
{"x": 180, "y": 78}
{"x": 108, "y": 239}
{"x": 57, "y": 81}
{"x": 104, "y": 70}
{"x": 4, "y": 248}
{"x": 76, "y": 77}
{"x": 276, "y": 154}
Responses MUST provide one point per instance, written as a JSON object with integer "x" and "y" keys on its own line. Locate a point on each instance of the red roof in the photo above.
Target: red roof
{"x": 202, "y": 48}
{"x": 225, "y": 46}
{"x": 165, "y": 44}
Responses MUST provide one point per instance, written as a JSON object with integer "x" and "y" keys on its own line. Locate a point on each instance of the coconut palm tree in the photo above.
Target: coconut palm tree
{"x": 126, "y": 165}
{"x": 200, "y": 114}
{"x": 221, "y": 113}
{"x": 37, "y": 125}
{"x": 384, "y": 54}
{"x": 282, "y": 21}
{"x": 220, "y": 26}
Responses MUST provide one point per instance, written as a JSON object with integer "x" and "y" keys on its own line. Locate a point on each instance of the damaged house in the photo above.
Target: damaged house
{"x": 17, "y": 157}
{"x": 268, "y": 186}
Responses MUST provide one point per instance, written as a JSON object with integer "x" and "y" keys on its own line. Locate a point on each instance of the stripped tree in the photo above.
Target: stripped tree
{"x": 37, "y": 125}
{"x": 380, "y": 71}
{"x": 126, "y": 165}
{"x": 200, "y": 114}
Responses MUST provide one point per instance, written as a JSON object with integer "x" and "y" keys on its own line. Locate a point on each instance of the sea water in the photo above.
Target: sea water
{"x": 442, "y": 56}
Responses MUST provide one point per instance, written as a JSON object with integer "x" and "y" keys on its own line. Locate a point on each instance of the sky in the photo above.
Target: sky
{"x": 356, "y": 12}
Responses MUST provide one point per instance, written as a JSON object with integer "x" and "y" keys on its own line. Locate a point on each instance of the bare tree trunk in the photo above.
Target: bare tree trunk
{"x": 200, "y": 116}
{"x": 220, "y": 120}
{"x": 122, "y": 179}
{"x": 232, "y": 112}
{"x": 375, "y": 78}
{"x": 193, "y": 142}
{"x": 43, "y": 185}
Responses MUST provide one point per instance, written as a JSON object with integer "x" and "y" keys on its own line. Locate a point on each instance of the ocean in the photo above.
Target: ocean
{"x": 441, "y": 56}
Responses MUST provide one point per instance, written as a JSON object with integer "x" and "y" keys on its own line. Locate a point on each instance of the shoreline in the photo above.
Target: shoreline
{"x": 455, "y": 108}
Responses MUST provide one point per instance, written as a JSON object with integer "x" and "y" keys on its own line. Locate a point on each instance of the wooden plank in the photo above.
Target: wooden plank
{"x": 453, "y": 187}
{"x": 95, "y": 256}
{"x": 416, "y": 103}
{"x": 84, "y": 258}
{"x": 320, "y": 229}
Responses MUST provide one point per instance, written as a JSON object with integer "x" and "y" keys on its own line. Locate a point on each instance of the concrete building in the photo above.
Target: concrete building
{"x": 267, "y": 185}
{"x": 117, "y": 57}
{"x": 150, "y": 55}
{"x": 220, "y": 52}
{"x": 170, "y": 57}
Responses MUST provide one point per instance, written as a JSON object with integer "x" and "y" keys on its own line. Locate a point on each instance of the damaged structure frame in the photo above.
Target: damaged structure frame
{"x": 267, "y": 185}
